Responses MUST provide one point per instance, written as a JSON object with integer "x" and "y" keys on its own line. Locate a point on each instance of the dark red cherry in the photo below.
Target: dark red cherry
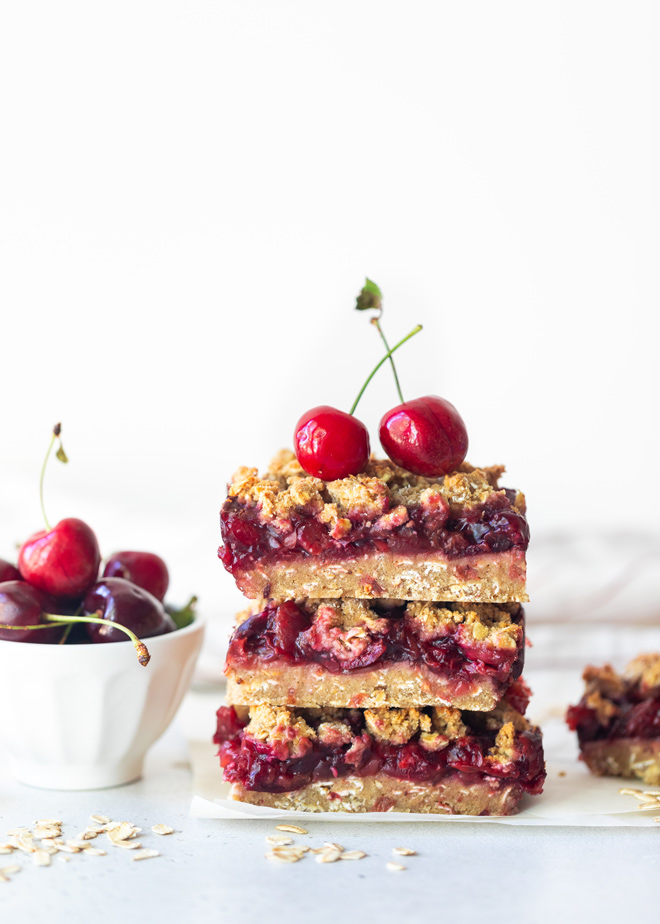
{"x": 63, "y": 561}
{"x": 8, "y": 572}
{"x": 145, "y": 569}
{"x": 331, "y": 444}
{"x": 24, "y": 605}
{"x": 122, "y": 601}
{"x": 425, "y": 436}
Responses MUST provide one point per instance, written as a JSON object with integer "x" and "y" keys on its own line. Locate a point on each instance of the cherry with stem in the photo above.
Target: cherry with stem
{"x": 331, "y": 444}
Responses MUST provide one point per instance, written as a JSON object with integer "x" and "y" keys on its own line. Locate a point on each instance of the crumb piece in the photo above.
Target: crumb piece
{"x": 447, "y": 721}
{"x": 287, "y": 733}
{"x": 645, "y": 671}
{"x": 395, "y": 726}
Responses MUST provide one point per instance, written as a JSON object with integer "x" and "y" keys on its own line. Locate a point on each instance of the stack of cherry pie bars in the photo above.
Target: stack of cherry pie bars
{"x": 379, "y": 666}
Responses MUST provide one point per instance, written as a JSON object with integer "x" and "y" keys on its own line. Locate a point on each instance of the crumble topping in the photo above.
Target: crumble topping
{"x": 288, "y": 733}
{"x": 393, "y": 726}
{"x": 383, "y": 493}
{"x": 448, "y": 722}
{"x": 504, "y": 749}
{"x": 603, "y": 680}
{"x": 292, "y": 732}
{"x": 482, "y": 622}
{"x": 334, "y": 734}
{"x": 604, "y": 708}
{"x": 359, "y": 497}
{"x": 645, "y": 671}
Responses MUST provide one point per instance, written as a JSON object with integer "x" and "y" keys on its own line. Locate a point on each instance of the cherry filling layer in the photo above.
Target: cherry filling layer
{"x": 495, "y": 526}
{"x": 293, "y": 634}
{"x": 631, "y": 716}
{"x": 262, "y": 766}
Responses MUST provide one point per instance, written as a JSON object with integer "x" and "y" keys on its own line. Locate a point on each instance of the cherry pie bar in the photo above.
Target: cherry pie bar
{"x": 384, "y": 533}
{"x": 379, "y": 668}
{"x": 364, "y": 653}
{"x": 436, "y": 760}
{"x": 618, "y": 720}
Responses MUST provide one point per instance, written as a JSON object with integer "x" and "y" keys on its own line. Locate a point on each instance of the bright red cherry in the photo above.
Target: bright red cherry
{"x": 63, "y": 561}
{"x": 145, "y": 569}
{"x": 121, "y": 601}
{"x": 24, "y": 605}
{"x": 331, "y": 444}
{"x": 8, "y": 572}
{"x": 425, "y": 436}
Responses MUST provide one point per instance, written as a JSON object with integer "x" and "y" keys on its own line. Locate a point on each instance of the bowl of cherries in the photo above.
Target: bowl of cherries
{"x": 86, "y": 706}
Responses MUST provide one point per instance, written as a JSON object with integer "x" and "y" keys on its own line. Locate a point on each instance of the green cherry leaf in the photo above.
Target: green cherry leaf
{"x": 370, "y": 297}
{"x": 186, "y": 615}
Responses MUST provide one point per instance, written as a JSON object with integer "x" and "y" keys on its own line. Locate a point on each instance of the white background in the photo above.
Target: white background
{"x": 192, "y": 192}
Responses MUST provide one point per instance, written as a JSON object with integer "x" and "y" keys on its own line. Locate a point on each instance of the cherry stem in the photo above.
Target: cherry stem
{"x": 41, "y": 480}
{"x": 412, "y": 333}
{"x": 142, "y": 652}
{"x": 376, "y": 322}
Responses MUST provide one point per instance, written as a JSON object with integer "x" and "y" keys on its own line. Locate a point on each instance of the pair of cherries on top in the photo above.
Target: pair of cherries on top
{"x": 425, "y": 436}
{"x": 58, "y": 573}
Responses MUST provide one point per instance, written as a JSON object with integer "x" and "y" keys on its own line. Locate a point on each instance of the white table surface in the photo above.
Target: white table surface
{"x": 214, "y": 870}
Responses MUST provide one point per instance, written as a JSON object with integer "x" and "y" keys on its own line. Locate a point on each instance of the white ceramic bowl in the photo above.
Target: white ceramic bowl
{"x": 84, "y": 716}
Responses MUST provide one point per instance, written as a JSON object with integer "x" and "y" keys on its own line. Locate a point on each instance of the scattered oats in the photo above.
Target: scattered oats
{"x": 292, "y": 829}
{"x": 562, "y": 773}
{"x": 283, "y": 854}
{"x": 66, "y": 847}
{"x": 17, "y": 831}
{"x": 50, "y": 850}
{"x": 353, "y": 855}
{"x": 7, "y": 848}
{"x": 404, "y": 851}
{"x": 4, "y": 878}
{"x": 9, "y": 870}
{"x": 90, "y": 833}
{"x": 80, "y": 843}
{"x": 395, "y": 867}
{"x": 100, "y": 819}
{"x": 41, "y": 858}
{"x": 122, "y": 832}
{"x": 64, "y": 859}
{"x": 25, "y": 842}
{"x": 328, "y": 856}
{"x": 47, "y": 831}
{"x": 280, "y": 839}
{"x": 128, "y": 845}
{"x": 145, "y": 854}
{"x": 49, "y": 822}
{"x": 333, "y": 846}
{"x": 162, "y": 829}
{"x": 94, "y": 852}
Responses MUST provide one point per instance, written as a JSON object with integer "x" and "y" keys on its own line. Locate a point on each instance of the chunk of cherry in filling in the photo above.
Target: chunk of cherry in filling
{"x": 118, "y": 600}
{"x": 21, "y": 604}
{"x": 145, "y": 569}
